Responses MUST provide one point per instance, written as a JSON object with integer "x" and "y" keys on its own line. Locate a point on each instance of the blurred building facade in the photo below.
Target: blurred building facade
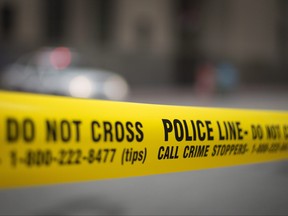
{"x": 155, "y": 41}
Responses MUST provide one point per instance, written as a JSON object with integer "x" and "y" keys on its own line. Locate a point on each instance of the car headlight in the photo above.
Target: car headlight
{"x": 80, "y": 86}
{"x": 115, "y": 88}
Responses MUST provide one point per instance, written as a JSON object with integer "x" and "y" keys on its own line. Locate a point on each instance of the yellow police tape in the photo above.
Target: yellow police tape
{"x": 48, "y": 139}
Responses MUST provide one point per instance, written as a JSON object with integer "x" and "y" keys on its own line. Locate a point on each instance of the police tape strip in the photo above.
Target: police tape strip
{"x": 48, "y": 139}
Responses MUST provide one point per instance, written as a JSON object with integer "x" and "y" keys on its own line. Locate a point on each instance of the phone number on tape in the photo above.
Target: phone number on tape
{"x": 63, "y": 157}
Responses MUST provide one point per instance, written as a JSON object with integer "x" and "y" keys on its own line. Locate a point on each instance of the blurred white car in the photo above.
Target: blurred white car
{"x": 56, "y": 71}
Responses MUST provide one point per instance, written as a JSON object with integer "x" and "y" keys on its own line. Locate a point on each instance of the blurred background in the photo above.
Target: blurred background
{"x": 225, "y": 53}
{"x": 210, "y": 46}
